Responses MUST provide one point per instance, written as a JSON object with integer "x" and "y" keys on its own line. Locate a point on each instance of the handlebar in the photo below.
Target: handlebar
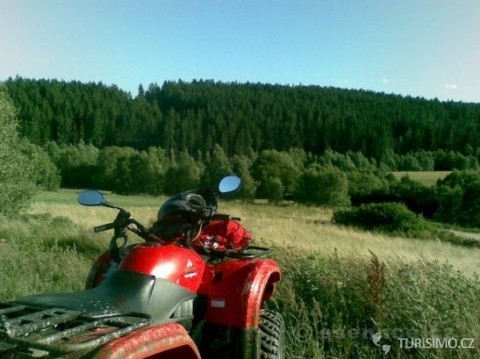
{"x": 104, "y": 227}
{"x": 143, "y": 232}
{"x": 123, "y": 222}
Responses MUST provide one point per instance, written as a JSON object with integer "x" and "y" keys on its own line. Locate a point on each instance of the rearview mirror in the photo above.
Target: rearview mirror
{"x": 91, "y": 198}
{"x": 229, "y": 184}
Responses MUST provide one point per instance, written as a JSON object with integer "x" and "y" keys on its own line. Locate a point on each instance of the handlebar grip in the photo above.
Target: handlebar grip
{"x": 103, "y": 227}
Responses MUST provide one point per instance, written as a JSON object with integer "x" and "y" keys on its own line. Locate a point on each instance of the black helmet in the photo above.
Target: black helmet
{"x": 185, "y": 204}
{"x": 174, "y": 219}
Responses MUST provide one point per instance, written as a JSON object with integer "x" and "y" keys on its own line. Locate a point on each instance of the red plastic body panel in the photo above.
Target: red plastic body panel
{"x": 176, "y": 264}
{"x": 162, "y": 341}
{"x": 236, "y": 289}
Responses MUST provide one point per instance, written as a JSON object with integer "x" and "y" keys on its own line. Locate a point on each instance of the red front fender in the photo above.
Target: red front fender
{"x": 237, "y": 291}
{"x": 166, "y": 341}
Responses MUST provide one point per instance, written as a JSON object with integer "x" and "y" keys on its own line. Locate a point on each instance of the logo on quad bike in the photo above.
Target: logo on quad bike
{"x": 190, "y": 270}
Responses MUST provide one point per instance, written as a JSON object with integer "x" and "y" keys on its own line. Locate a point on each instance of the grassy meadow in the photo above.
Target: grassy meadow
{"x": 339, "y": 285}
{"x": 428, "y": 178}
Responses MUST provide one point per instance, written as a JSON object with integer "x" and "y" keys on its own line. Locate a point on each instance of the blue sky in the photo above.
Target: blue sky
{"x": 424, "y": 48}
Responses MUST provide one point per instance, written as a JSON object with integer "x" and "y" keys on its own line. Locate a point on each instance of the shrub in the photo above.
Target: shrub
{"x": 327, "y": 186}
{"x": 368, "y": 186}
{"x": 276, "y": 174}
{"x": 47, "y": 175}
{"x": 241, "y": 167}
{"x": 16, "y": 171}
{"x": 416, "y": 196}
{"x": 458, "y": 196}
{"x": 390, "y": 217}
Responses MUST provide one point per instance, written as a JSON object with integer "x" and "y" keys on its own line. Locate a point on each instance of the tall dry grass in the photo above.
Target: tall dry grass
{"x": 306, "y": 228}
{"x": 339, "y": 285}
{"x": 309, "y": 229}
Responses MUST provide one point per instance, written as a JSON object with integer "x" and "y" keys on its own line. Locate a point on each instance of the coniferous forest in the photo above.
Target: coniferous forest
{"x": 242, "y": 118}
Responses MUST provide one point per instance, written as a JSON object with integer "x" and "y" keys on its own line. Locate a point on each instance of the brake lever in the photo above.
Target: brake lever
{"x": 142, "y": 232}
{"x": 140, "y": 228}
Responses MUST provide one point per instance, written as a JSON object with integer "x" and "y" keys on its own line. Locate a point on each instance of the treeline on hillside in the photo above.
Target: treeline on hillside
{"x": 331, "y": 179}
{"x": 151, "y": 170}
{"x": 242, "y": 118}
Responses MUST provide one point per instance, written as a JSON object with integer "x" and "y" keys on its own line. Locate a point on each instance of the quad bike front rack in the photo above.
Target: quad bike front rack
{"x": 51, "y": 332}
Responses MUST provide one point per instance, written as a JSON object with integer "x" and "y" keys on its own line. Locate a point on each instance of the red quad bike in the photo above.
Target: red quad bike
{"x": 155, "y": 299}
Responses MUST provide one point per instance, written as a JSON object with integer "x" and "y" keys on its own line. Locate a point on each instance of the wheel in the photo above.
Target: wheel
{"x": 272, "y": 335}
{"x": 265, "y": 342}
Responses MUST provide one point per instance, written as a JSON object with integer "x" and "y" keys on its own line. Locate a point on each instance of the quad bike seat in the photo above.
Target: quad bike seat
{"x": 122, "y": 292}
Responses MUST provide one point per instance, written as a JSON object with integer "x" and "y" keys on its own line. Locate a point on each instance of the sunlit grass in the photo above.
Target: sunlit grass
{"x": 306, "y": 228}
{"x": 310, "y": 230}
{"x": 334, "y": 278}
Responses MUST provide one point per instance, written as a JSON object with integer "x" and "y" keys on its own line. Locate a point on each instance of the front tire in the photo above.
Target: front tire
{"x": 272, "y": 335}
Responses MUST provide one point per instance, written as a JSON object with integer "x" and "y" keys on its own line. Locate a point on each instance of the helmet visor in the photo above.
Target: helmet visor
{"x": 171, "y": 228}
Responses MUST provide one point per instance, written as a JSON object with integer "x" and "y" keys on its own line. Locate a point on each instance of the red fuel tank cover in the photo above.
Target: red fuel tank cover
{"x": 177, "y": 264}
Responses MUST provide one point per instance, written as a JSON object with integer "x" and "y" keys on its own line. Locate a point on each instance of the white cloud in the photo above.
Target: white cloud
{"x": 450, "y": 86}
{"x": 385, "y": 80}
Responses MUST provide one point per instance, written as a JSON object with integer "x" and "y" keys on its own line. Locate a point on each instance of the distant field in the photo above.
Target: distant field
{"x": 428, "y": 178}
{"x": 69, "y": 197}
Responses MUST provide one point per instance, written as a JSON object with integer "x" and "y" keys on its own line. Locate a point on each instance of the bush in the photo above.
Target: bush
{"x": 390, "y": 217}
{"x": 276, "y": 174}
{"x": 417, "y": 197}
{"x": 366, "y": 186}
{"x": 16, "y": 171}
{"x": 47, "y": 175}
{"x": 458, "y": 196}
{"x": 327, "y": 186}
